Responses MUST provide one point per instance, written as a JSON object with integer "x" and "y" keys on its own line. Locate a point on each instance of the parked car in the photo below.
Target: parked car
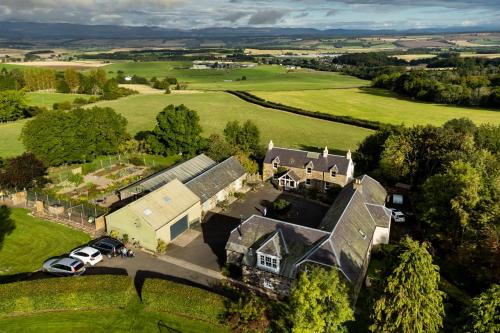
{"x": 64, "y": 266}
{"x": 397, "y": 215}
{"x": 88, "y": 255}
{"x": 108, "y": 246}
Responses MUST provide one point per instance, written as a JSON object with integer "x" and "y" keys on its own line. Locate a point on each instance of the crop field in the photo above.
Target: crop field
{"x": 379, "y": 105}
{"x": 10, "y": 145}
{"x": 217, "y": 108}
{"x": 48, "y": 99}
{"x": 262, "y": 77}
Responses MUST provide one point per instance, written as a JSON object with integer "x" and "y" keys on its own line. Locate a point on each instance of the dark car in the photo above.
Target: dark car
{"x": 108, "y": 246}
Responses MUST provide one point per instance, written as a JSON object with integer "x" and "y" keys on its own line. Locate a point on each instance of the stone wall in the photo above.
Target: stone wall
{"x": 268, "y": 281}
{"x": 234, "y": 258}
{"x": 318, "y": 177}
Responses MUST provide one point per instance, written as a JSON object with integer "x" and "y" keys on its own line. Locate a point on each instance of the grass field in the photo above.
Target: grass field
{"x": 35, "y": 240}
{"x": 48, "y": 99}
{"x": 263, "y": 77}
{"x": 217, "y": 108}
{"x": 10, "y": 145}
{"x": 379, "y": 105}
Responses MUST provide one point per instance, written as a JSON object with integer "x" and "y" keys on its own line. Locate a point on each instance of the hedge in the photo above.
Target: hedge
{"x": 370, "y": 124}
{"x": 70, "y": 293}
{"x": 175, "y": 298}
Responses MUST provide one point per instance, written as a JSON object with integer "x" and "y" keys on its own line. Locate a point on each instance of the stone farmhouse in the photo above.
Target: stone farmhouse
{"x": 164, "y": 205}
{"x": 271, "y": 253}
{"x": 291, "y": 168}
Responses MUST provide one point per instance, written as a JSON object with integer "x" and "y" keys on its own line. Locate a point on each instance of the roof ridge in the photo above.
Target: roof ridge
{"x": 307, "y": 151}
{"x": 213, "y": 167}
{"x": 287, "y": 223}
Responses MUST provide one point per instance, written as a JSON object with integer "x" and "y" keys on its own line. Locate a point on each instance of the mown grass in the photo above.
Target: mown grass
{"x": 217, "y": 108}
{"x": 48, "y": 99}
{"x": 106, "y": 303}
{"x": 378, "y": 105}
{"x": 10, "y": 144}
{"x": 34, "y": 240}
{"x": 262, "y": 77}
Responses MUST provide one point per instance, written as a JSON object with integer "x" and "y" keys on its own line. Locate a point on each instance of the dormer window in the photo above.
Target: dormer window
{"x": 309, "y": 170}
{"x": 268, "y": 262}
{"x": 333, "y": 173}
{"x": 276, "y": 163}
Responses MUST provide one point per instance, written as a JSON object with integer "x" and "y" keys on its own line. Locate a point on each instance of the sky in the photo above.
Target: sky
{"x": 320, "y": 14}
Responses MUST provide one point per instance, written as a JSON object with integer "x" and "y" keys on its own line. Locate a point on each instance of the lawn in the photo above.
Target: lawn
{"x": 105, "y": 322}
{"x": 35, "y": 240}
{"x": 217, "y": 108}
{"x": 261, "y": 77}
{"x": 10, "y": 144}
{"x": 48, "y": 99}
{"x": 379, "y": 105}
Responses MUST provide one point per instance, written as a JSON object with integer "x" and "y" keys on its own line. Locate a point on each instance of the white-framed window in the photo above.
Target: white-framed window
{"x": 275, "y": 165}
{"x": 308, "y": 182}
{"x": 327, "y": 185}
{"x": 269, "y": 262}
{"x": 267, "y": 284}
{"x": 333, "y": 173}
{"x": 309, "y": 170}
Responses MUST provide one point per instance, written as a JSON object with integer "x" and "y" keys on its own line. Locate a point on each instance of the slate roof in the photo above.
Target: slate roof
{"x": 257, "y": 231}
{"x": 217, "y": 178}
{"x": 294, "y": 158}
{"x": 292, "y": 175}
{"x": 342, "y": 240}
{"x": 184, "y": 172}
{"x": 163, "y": 205}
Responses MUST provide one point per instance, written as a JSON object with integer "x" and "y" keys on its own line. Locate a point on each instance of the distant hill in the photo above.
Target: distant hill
{"x": 34, "y": 30}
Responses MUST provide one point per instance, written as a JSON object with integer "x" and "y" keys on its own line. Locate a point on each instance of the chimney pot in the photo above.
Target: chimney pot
{"x": 348, "y": 155}
{"x": 271, "y": 145}
{"x": 325, "y": 152}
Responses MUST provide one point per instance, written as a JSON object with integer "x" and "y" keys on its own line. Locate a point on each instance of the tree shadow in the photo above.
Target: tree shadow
{"x": 216, "y": 230}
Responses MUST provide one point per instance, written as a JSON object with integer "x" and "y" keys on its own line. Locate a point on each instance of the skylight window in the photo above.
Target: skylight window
{"x": 362, "y": 233}
{"x": 166, "y": 199}
{"x": 147, "y": 212}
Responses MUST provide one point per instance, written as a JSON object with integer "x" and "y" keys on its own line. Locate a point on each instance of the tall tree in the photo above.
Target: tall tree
{"x": 72, "y": 79}
{"x": 24, "y": 171}
{"x": 411, "y": 301}
{"x": 483, "y": 316}
{"x": 245, "y": 137}
{"x": 177, "y": 131}
{"x": 13, "y": 105}
{"x": 319, "y": 302}
{"x": 7, "y": 225}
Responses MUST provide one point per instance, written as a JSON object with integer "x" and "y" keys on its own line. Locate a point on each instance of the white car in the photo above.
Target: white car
{"x": 88, "y": 255}
{"x": 397, "y": 215}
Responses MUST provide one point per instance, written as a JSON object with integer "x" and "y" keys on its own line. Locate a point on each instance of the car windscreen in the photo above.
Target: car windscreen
{"x": 77, "y": 265}
{"x": 95, "y": 254}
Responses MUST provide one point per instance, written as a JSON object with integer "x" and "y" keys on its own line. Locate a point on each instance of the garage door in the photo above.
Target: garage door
{"x": 178, "y": 227}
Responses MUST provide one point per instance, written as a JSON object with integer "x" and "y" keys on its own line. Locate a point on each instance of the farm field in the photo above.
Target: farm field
{"x": 262, "y": 77}
{"x": 35, "y": 240}
{"x": 48, "y": 99}
{"x": 217, "y": 108}
{"x": 377, "y": 104}
{"x": 10, "y": 144}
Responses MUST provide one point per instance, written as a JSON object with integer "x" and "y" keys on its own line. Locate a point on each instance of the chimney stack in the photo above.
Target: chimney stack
{"x": 325, "y": 152}
{"x": 271, "y": 145}
{"x": 348, "y": 155}
{"x": 357, "y": 185}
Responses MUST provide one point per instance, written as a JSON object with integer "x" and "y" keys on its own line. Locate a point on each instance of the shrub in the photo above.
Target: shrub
{"x": 125, "y": 238}
{"x": 62, "y": 106}
{"x": 161, "y": 246}
{"x": 76, "y": 179}
{"x": 239, "y": 195}
{"x": 79, "y": 101}
{"x": 248, "y": 314}
{"x": 192, "y": 302}
{"x": 224, "y": 205}
{"x": 83, "y": 292}
{"x": 114, "y": 233}
{"x": 281, "y": 205}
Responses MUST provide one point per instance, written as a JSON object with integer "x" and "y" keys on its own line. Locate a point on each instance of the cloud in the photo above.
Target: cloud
{"x": 331, "y": 12}
{"x": 267, "y": 17}
{"x": 233, "y": 17}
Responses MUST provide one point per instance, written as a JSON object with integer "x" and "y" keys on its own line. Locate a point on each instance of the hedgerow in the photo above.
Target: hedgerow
{"x": 192, "y": 302}
{"x": 370, "y": 124}
{"x": 89, "y": 292}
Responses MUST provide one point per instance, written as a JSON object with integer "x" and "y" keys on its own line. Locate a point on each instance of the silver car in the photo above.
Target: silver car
{"x": 64, "y": 266}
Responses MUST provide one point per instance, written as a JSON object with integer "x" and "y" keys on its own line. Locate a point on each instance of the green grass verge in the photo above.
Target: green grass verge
{"x": 10, "y": 144}
{"x": 103, "y": 304}
{"x": 217, "y": 108}
{"x": 262, "y": 77}
{"x": 35, "y": 240}
{"x": 167, "y": 296}
{"x": 48, "y": 99}
{"x": 377, "y": 105}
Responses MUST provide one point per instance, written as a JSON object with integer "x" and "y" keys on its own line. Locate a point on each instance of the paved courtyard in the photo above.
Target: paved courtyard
{"x": 208, "y": 249}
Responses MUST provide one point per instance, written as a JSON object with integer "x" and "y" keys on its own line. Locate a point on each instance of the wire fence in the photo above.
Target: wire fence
{"x": 75, "y": 213}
